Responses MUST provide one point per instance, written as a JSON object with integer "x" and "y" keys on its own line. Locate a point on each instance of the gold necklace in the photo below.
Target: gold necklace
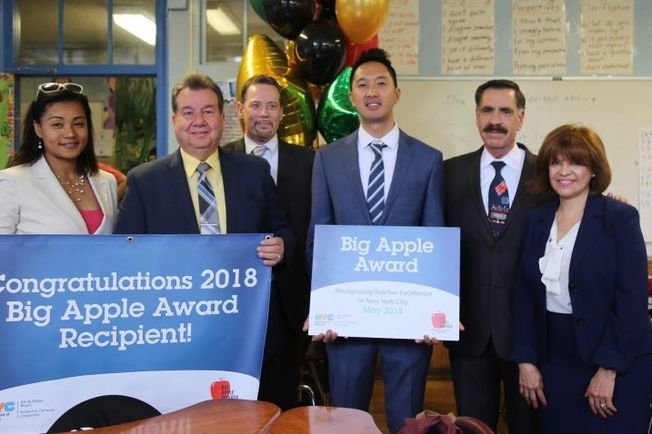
{"x": 75, "y": 189}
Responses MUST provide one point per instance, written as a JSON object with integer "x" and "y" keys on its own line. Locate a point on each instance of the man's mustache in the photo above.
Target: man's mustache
{"x": 494, "y": 128}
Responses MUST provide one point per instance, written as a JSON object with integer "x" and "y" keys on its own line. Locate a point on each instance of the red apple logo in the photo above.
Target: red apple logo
{"x": 438, "y": 320}
{"x": 220, "y": 389}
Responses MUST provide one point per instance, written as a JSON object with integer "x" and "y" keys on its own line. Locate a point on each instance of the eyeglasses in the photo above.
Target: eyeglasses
{"x": 46, "y": 88}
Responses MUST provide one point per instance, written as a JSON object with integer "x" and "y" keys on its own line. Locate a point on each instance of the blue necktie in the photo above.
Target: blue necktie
{"x": 376, "y": 185}
{"x": 208, "y": 218}
{"x": 498, "y": 204}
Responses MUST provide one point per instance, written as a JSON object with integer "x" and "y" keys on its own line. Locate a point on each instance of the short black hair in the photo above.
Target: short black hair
{"x": 374, "y": 55}
{"x": 501, "y": 84}
{"x": 260, "y": 79}
{"x": 197, "y": 82}
{"x": 29, "y": 151}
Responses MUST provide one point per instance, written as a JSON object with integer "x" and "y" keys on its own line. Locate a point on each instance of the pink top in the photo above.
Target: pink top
{"x": 93, "y": 219}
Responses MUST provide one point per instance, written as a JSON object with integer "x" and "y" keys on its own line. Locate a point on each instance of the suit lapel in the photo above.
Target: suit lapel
{"x": 232, "y": 190}
{"x": 56, "y": 193}
{"x": 473, "y": 179}
{"x": 101, "y": 189}
{"x": 181, "y": 196}
{"x": 404, "y": 155}
{"x": 351, "y": 163}
{"x": 542, "y": 226}
{"x": 527, "y": 172}
{"x": 590, "y": 227}
{"x": 286, "y": 165}
{"x": 239, "y": 145}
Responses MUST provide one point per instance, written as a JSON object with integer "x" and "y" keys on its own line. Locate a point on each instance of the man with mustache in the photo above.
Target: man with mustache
{"x": 486, "y": 195}
{"x": 260, "y": 108}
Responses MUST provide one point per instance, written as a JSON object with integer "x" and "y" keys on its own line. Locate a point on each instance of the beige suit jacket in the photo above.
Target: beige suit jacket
{"x": 33, "y": 202}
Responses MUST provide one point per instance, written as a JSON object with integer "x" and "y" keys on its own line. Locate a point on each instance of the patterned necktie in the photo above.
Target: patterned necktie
{"x": 259, "y": 150}
{"x": 208, "y": 218}
{"x": 498, "y": 200}
{"x": 376, "y": 185}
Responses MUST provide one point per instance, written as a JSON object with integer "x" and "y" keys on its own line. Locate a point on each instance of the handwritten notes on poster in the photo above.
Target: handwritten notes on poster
{"x": 645, "y": 182}
{"x": 400, "y": 36}
{"x": 468, "y": 37}
{"x": 539, "y": 35}
{"x": 607, "y": 36}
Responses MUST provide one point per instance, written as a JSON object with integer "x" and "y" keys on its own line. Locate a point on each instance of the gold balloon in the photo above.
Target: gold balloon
{"x": 299, "y": 124}
{"x": 263, "y": 56}
{"x": 289, "y": 52}
{"x": 361, "y": 19}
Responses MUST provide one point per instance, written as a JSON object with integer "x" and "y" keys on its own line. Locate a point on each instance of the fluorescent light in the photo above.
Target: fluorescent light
{"x": 138, "y": 25}
{"x": 221, "y": 22}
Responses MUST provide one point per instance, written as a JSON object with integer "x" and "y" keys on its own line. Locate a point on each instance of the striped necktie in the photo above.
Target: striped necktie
{"x": 259, "y": 150}
{"x": 376, "y": 185}
{"x": 208, "y": 218}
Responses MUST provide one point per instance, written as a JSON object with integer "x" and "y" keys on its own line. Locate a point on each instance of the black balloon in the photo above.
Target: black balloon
{"x": 325, "y": 9}
{"x": 320, "y": 51}
{"x": 288, "y": 17}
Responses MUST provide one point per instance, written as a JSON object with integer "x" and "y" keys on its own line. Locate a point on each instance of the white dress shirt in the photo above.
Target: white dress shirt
{"x": 555, "y": 268}
{"x": 511, "y": 173}
{"x": 366, "y": 156}
{"x": 270, "y": 154}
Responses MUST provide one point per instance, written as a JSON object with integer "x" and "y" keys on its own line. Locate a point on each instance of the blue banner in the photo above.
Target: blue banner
{"x": 168, "y": 319}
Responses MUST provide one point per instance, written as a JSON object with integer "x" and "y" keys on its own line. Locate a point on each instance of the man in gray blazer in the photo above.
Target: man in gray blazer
{"x": 261, "y": 111}
{"x": 411, "y": 196}
{"x": 490, "y": 244}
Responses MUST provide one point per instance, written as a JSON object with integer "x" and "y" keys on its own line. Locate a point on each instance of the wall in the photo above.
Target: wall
{"x": 442, "y": 113}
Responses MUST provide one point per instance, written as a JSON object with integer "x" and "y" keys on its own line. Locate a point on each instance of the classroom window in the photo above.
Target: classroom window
{"x": 226, "y": 26}
{"x": 84, "y": 32}
{"x": 36, "y": 32}
{"x": 134, "y": 32}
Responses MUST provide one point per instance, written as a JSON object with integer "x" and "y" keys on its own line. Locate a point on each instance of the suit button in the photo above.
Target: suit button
{"x": 579, "y": 321}
{"x": 573, "y": 289}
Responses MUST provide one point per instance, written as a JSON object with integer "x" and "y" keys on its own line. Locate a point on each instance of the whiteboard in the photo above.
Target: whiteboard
{"x": 441, "y": 113}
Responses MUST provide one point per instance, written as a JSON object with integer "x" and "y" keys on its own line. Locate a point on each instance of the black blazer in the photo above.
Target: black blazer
{"x": 607, "y": 285}
{"x": 487, "y": 266}
{"x": 158, "y": 201}
{"x": 294, "y": 179}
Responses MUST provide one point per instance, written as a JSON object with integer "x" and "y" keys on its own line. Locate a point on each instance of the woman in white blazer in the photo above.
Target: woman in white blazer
{"x": 53, "y": 184}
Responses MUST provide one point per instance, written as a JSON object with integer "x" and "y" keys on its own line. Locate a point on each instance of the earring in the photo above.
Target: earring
{"x": 40, "y": 143}
{"x": 593, "y": 175}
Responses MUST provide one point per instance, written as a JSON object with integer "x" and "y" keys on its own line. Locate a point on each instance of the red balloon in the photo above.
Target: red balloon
{"x": 353, "y": 51}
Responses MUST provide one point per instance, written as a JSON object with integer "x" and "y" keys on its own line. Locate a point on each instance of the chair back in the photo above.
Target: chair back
{"x": 471, "y": 425}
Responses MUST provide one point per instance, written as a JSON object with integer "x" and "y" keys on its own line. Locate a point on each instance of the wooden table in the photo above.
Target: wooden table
{"x": 217, "y": 416}
{"x": 233, "y": 416}
{"x": 324, "y": 420}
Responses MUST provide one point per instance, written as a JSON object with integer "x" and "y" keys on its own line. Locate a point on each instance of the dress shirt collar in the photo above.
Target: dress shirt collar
{"x": 190, "y": 163}
{"x": 390, "y": 139}
{"x": 514, "y": 158}
{"x": 271, "y": 145}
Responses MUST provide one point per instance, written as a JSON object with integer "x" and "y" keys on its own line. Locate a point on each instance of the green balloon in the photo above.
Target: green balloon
{"x": 257, "y": 6}
{"x": 299, "y": 120}
{"x": 336, "y": 115}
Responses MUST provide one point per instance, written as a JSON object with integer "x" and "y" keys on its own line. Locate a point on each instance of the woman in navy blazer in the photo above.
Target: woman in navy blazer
{"x": 583, "y": 336}
{"x": 54, "y": 185}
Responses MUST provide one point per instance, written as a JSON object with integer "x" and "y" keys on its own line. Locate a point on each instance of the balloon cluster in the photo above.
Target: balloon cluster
{"x": 324, "y": 37}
